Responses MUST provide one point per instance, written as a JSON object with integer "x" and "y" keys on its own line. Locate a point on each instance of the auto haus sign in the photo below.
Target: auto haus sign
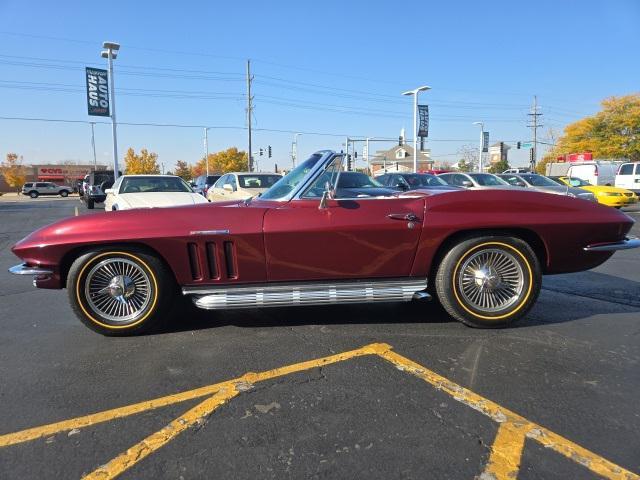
{"x": 97, "y": 92}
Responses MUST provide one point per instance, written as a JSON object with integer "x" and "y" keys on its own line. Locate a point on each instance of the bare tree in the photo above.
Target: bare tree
{"x": 468, "y": 155}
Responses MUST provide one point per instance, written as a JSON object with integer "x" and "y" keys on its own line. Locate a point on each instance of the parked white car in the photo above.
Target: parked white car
{"x": 629, "y": 177}
{"x": 241, "y": 185}
{"x": 150, "y": 191}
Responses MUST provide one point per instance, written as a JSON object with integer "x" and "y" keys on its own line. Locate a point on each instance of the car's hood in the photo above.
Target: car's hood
{"x": 159, "y": 199}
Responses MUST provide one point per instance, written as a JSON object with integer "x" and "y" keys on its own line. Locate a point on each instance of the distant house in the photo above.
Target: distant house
{"x": 399, "y": 159}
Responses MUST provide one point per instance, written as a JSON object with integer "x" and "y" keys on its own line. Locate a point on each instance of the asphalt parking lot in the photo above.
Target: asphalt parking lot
{"x": 366, "y": 391}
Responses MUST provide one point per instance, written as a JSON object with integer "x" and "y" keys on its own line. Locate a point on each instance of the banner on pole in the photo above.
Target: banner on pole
{"x": 485, "y": 141}
{"x": 97, "y": 92}
{"x": 423, "y": 128}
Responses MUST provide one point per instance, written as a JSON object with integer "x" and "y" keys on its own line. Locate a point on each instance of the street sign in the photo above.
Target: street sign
{"x": 527, "y": 145}
{"x": 97, "y": 92}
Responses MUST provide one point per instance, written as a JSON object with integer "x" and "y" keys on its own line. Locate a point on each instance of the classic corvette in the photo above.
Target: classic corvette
{"x": 481, "y": 252}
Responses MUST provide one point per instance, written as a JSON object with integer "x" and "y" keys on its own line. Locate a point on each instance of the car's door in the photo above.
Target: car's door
{"x": 366, "y": 237}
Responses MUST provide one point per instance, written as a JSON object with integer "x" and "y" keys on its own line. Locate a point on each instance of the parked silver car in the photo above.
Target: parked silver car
{"x": 35, "y": 189}
{"x": 476, "y": 181}
{"x": 544, "y": 184}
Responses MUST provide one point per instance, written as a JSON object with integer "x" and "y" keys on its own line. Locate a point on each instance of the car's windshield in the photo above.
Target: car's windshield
{"x": 487, "y": 180}
{"x": 538, "y": 181}
{"x": 416, "y": 180}
{"x": 154, "y": 184}
{"x": 357, "y": 180}
{"x": 285, "y": 185}
{"x": 578, "y": 182}
{"x": 258, "y": 180}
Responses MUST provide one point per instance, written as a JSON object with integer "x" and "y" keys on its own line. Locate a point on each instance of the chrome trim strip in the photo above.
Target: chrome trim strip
{"x": 24, "y": 269}
{"x": 627, "y": 243}
{"x": 209, "y": 232}
{"x": 222, "y": 297}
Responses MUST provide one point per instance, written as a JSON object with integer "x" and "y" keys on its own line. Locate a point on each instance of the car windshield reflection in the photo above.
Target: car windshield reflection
{"x": 283, "y": 187}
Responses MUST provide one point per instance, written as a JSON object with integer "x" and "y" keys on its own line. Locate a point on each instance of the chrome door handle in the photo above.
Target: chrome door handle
{"x": 408, "y": 217}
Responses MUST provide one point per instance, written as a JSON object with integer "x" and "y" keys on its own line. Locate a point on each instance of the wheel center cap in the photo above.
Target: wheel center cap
{"x": 121, "y": 287}
{"x": 487, "y": 277}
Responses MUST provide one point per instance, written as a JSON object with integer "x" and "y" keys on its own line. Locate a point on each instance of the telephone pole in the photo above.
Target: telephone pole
{"x": 249, "y": 111}
{"x": 534, "y": 125}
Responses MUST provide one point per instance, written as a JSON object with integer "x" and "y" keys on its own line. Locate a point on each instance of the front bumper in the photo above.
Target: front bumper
{"x": 24, "y": 269}
{"x": 627, "y": 243}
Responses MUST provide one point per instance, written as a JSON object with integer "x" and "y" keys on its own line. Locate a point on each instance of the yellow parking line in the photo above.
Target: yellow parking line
{"x": 160, "y": 438}
{"x": 504, "y": 447}
{"x": 112, "y": 414}
{"x": 506, "y": 452}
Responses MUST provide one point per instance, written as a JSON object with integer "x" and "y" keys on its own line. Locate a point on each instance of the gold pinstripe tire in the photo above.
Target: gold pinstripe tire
{"x": 489, "y": 281}
{"x": 119, "y": 292}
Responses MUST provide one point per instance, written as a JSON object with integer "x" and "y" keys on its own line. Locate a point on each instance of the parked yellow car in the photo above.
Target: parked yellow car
{"x": 611, "y": 196}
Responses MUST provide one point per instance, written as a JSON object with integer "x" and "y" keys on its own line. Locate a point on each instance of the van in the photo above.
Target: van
{"x": 629, "y": 176}
{"x": 596, "y": 173}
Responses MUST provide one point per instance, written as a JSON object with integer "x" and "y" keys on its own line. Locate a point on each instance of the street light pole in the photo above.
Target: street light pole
{"x": 206, "y": 149}
{"x": 481, "y": 145}
{"x": 415, "y": 92}
{"x": 93, "y": 147}
{"x": 294, "y": 150}
{"x": 110, "y": 54}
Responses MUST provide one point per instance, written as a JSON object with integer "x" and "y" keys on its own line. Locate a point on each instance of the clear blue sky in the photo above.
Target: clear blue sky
{"x": 328, "y": 66}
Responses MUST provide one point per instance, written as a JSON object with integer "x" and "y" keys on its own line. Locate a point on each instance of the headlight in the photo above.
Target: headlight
{"x": 609, "y": 194}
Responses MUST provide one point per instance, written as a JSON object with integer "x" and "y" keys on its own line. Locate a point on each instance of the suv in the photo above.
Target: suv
{"x": 202, "y": 183}
{"x": 95, "y": 185}
{"x": 35, "y": 189}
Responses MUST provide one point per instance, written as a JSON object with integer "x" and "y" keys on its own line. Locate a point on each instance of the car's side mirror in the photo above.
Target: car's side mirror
{"x": 193, "y": 184}
{"x": 467, "y": 184}
{"x": 109, "y": 191}
{"x": 228, "y": 187}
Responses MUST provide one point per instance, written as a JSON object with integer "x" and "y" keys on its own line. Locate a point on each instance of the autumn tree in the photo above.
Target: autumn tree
{"x": 144, "y": 163}
{"x": 230, "y": 160}
{"x": 182, "y": 170}
{"x": 613, "y": 132}
{"x": 12, "y": 171}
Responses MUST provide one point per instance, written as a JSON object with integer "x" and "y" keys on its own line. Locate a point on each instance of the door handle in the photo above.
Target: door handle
{"x": 407, "y": 217}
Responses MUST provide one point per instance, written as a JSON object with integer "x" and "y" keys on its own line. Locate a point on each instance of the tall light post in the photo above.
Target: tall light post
{"x": 415, "y": 92}
{"x": 294, "y": 149}
{"x": 110, "y": 53}
{"x": 481, "y": 145}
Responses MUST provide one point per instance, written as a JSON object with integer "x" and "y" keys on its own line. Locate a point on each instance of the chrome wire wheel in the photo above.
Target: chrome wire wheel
{"x": 491, "y": 280}
{"x": 118, "y": 289}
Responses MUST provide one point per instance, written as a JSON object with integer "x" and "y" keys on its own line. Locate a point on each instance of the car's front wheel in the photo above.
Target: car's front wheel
{"x": 64, "y": 193}
{"x": 33, "y": 194}
{"x": 489, "y": 281}
{"x": 119, "y": 292}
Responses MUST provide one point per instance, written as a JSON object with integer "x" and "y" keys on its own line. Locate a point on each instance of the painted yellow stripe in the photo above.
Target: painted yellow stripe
{"x": 153, "y": 442}
{"x": 248, "y": 378}
{"x": 506, "y": 452}
{"x": 547, "y": 438}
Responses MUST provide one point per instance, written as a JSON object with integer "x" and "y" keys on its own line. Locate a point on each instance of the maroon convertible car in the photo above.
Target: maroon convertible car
{"x": 302, "y": 242}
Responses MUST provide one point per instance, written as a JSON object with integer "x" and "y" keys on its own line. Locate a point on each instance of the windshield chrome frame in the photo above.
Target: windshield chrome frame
{"x": 327, "y": 157}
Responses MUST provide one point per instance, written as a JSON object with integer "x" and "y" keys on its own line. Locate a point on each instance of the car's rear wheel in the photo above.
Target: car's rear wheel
{"x": 489, "y": 281}
{"x": 119, "y": 292}
{"x": 33, "y": 194}
{"x": 64, "y": 193}
{"x": 90, "y": 204}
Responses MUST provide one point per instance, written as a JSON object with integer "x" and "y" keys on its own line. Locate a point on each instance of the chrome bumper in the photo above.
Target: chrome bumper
{"x": 24, "y": 269}
{"x": 629, "y": 242}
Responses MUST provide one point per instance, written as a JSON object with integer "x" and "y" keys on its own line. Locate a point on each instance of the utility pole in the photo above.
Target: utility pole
{"x": 93, "y": 147}
{"x": 249, "y": 111}
{"x": 110, "y": 53}
{"x": 534, "y": 125}
{"x": 206, "y": 149}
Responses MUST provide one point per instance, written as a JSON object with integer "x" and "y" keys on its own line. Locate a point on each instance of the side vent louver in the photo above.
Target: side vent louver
{"x": 194, "y": 261}
{"x": 230, "y": 260}
{"x": 212, "y": 261}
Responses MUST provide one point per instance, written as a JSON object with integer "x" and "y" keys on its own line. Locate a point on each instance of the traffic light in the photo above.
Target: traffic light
{"x": 355, "y": 155}
{"x": 518, "y": 145}
{"x": 400, "y": 141}
{"x": 269, "y": 150}
{"x": 261, "y": 152}
{"x": 348, "y": 162}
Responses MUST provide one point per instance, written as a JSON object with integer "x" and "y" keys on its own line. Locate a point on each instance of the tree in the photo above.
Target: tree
{"x": 468, "y": 158}
{"x": 499, "y": 167}
{"x": 230, "y": 160}
{"x": 613, "y": 132}
{"x": 12, "y": 171}
{"x": 145, "y": 163}
{"x": 183, "y": 170}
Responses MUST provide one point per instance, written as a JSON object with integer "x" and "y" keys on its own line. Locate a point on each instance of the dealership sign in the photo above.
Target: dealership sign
{"x": 423, "y": 129}
{"x": 97, "y": 92}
